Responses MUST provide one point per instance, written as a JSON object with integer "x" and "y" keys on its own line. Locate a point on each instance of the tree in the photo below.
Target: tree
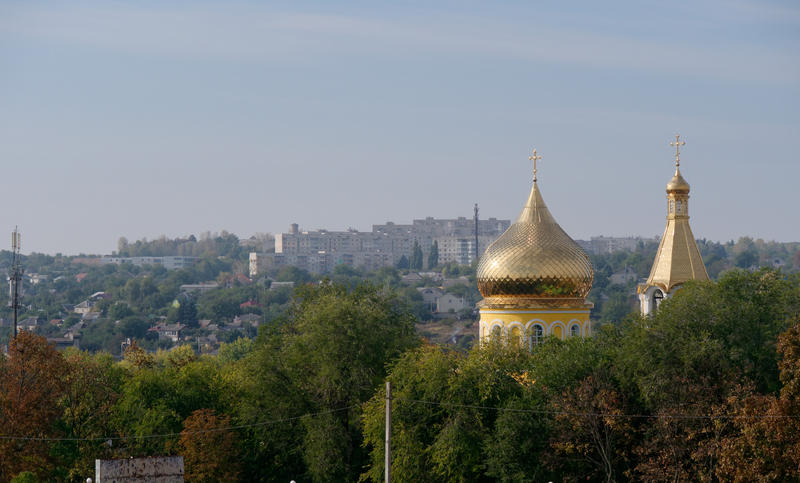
{"x": 327, "y": 357}
{"x": 403, "y": 263}
{"x": 691, "y": 357}
{"x": 617, "y": 306}
{"x": 138, "y": 357}
{"x": 135, "y": 327}
{"x": 119, "y": 310}
{"x": 187, "y": 311}
{"x": 92, "y": 384}
{"x": 159, "y": 394}
{"x": 293, "y": 274}
{"x": 122, "y": 246}
{"x": 765, "y": 440}
{"x": 746, "y": 259}
{"x": 433, "y": 255}
{"x": 475, "y": 416}
{"x": 31, "y": 384}
{"x": 592, "y": 427}
{"x": 209, "y": 447}
{"x": 416, "y": 257}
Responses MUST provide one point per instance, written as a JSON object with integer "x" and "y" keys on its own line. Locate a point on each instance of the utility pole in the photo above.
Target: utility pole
{"x": 387, "y": 463}
{"x": 476, "y": 233}
{"x": 16, "y": 275}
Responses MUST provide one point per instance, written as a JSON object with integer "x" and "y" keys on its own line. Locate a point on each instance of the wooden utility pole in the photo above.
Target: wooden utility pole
{"x": 387, "y": 463}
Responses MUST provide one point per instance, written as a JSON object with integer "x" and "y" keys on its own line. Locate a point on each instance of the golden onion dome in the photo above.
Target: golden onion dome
{"x": 535, "y": 258}
{"x": 677, "y": 183}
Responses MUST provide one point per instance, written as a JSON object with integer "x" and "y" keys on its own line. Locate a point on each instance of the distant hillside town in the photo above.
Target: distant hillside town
{"x": 390, "y": 244}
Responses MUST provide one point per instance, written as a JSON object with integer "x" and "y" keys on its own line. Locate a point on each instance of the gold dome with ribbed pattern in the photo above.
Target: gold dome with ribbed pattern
{"x": 535, "y": 258}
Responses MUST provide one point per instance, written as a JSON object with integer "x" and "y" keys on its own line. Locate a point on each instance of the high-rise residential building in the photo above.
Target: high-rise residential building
{"x": 321, "y": 250}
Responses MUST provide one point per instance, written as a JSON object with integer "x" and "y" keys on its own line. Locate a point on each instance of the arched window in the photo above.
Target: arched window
{"x": 535, "y": 335}
{"x": 679, "y": 207}
{"x": 515, "y": 336}
{"x": 671, "y": 206}
{"x": 497, "y": 333}
{"x": 658, "y": 296}
{"x": 575, "y": 330}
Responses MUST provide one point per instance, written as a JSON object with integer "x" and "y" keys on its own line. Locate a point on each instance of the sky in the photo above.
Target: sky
{"x": 149, "y": 118}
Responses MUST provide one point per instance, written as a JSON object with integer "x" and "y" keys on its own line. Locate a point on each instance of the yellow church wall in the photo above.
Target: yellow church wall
{"x": 521, "y": 325}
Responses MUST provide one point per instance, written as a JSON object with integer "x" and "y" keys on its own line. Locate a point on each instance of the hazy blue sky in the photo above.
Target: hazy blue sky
{"x": 145, "y": 118}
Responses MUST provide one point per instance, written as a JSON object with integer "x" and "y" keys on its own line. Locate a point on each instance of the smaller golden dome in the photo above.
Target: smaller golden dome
{"x": 677, "y": 183}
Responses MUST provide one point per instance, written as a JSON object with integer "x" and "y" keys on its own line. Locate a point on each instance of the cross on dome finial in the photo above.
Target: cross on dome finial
{"x": 534, "y": 157}
{"x": 677, "y": 143}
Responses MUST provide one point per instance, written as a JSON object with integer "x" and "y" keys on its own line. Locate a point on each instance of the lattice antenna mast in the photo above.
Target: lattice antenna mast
{"x": 15, "y": 277}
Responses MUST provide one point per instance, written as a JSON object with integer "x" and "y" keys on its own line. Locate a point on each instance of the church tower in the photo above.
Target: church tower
{"x": 534, "y": 279}
{"x": 678, "y": 259}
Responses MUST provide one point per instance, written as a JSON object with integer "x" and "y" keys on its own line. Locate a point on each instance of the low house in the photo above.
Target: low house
{"x": 90, "y": 316}
{"x": 208, "y": 345}
{"x": 429, "y": 296}
{"x": 623, "y": 277}
{"x": 123, "y": 346}
{"x": 435, "y": 276}
{"x": 279, "y": 285}
{"x": 75, "y": 331}
{"x": 452, "y": 282}
{"x": 36, "y": 278}
{"x": 449, "y": 303}
{"x": 199, "y": 287}
{"x": 237, "y": 279}
{"x": 411, "y": 278}
{"x": 84, "y": 307}
{"x": 252, "y": 319}
{"x": 168, "y": 331}
{"x": 62, "y": 343}
{"x": 29, "y": 324}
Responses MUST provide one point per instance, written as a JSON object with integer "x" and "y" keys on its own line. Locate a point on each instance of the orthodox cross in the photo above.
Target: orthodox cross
{"x": 533, "y": 157}
{"x": 677, "y": 143}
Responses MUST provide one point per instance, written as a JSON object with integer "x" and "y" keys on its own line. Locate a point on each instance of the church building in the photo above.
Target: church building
{"x": 534, "y": 279}
{"x": 678, "y": 259}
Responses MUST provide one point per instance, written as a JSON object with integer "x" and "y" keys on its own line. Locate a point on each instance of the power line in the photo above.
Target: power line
{"x": 172, "y": 435}
{"x": 603, "y": 415}
{"x": 419, "y": 401}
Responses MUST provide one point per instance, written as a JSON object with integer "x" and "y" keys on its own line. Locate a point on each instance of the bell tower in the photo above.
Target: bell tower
{"x": 678, "y": 259}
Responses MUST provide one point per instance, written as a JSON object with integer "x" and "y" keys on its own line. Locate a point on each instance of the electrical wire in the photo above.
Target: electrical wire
{"x": 172, "y": 435}
{"x": 601, "y": 415}
{"x": 420, "y": 401}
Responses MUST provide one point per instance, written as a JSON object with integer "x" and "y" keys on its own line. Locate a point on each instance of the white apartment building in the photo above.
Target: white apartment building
{"x": 168, "y": 262}
{"x": 321, "y": 250}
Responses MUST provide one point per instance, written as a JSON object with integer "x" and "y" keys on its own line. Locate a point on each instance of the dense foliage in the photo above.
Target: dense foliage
{"x": 707, "y": 389}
